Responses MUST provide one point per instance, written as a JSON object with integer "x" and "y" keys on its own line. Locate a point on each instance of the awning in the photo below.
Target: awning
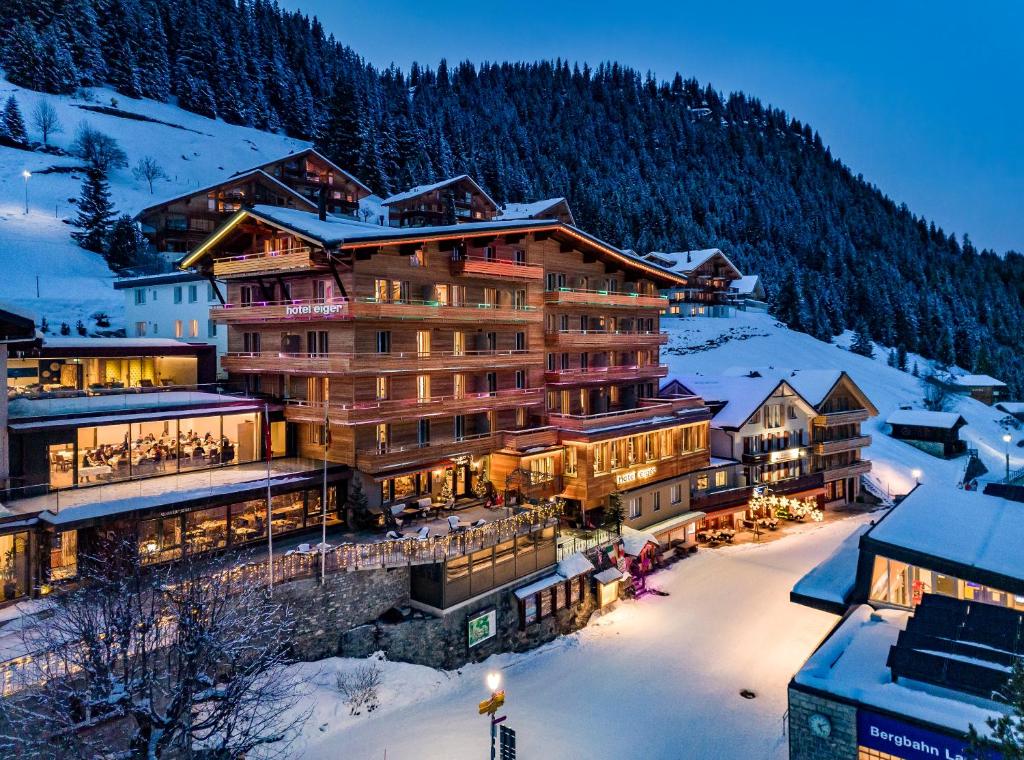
{"x": 381, "y": 477}
{"x": 675, "y": 522}
{"x": 546, "y": 582}
{"x": 607, "y": 576}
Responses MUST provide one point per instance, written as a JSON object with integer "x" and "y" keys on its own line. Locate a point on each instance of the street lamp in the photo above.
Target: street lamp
{"x": 917, "y": 476}
{"x": 493, "y": 681}
{"x": 1006, "y": 439}
{"x": 26, "y": 174}
{"x": 490, "y": 707}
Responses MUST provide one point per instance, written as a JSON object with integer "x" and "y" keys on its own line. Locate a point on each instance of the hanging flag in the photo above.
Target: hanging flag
{"x": 268, "y": 441}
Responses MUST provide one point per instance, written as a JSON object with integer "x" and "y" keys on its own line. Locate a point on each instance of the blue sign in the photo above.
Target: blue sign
{"x": 910, "y": 742}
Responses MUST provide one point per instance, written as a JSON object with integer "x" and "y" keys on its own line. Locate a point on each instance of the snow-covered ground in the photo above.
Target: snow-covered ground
{"x": 656, "y": 678}
{"x": 194, "y": 152}
{"x": 714, "y": 346}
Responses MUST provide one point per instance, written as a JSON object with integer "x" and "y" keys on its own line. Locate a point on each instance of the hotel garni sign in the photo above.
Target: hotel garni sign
{"x": 634, "y": 475}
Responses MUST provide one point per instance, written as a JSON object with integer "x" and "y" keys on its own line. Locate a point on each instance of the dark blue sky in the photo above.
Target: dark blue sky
{"x": 925, "y": 99}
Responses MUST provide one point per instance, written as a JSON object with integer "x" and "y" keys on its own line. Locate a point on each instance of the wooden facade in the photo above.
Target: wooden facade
{"x": 482, "y": 349}
{"x": 452, "y": 201}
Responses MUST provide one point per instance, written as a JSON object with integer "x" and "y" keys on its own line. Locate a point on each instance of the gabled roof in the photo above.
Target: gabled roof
{"x": 741, "y": 395}
{"x": 16, "y": 324}
{"x": 970, "y": 381}
{"x": 815, "y": 385}
{"x": 534, "y": 210}
{"x": 925, "y": 418}
{"x": 345, "y": 233}
{"x": 413, "y": 192}
{"x": 747, "y": 285}
{"x": 310, "y": 152}
{"x": 685, "y": 262}
{"x": 234, "y": 178}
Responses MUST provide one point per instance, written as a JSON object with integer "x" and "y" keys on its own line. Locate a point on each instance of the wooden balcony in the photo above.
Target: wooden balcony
{"x": 265, "y": 262}
{"x": 415, "y": 454}
{"x": 648, "y": 409}
{"x": 520, "y": 440}
{"x": 371, "y": 309}
{"x": 842, "y": 444}
{"x": 406, "y": 409}
{"x": 730, "y": 498}
{"x": 604, "y": 298}
{"x": 599, "y": 375}
{"x": 842, "y": 418}
{"x": 397, "y": 362}
{"x": 618, "y": 339}
{"x": 312, "y": 310}
{"x": 479, "y": 266}
{"x": 851, "y": 470}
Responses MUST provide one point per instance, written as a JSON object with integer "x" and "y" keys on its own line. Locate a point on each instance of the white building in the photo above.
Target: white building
{"x": 175, "y": 305}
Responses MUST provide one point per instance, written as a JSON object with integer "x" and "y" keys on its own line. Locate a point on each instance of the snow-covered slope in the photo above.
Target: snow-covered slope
{"x": 714, "y": 346}
{"x": 193, "y": 150}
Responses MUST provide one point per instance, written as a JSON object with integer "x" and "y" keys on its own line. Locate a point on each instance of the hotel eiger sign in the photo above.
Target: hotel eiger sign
{"x": 634, "y": 475}
{"x": 319, "y": 309}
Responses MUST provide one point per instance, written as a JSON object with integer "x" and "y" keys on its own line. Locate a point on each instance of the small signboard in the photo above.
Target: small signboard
{"x": 481, "y": 626}
{"x": 906, "y": 740}
{"x": 506, "y": 743}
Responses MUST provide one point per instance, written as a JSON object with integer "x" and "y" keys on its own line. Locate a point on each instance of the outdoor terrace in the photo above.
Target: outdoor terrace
{"x": 648, "y": 410}
{"x": 598, "y": 375}
{"x": 398, "y": 409}
{"x": 375, "y": 364}
{"x": 481, "y": 266}
{"x": 372, "y": 309}
{"x": 617, "y": 339}
{"x": 605, "y": 298}
{"x": 263, "y": 262}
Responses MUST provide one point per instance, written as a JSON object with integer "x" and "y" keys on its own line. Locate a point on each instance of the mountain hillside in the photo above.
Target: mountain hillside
{"x": 645, "y": 164}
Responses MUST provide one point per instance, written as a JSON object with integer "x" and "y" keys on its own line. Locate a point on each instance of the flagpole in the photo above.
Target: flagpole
{"x": 270, "y": 521}
{"x": 323, "y": 500}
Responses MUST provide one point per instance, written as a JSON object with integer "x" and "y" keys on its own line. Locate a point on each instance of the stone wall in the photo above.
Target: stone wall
{"x": 441, "y": 641}
{"x": 841, "y": 744}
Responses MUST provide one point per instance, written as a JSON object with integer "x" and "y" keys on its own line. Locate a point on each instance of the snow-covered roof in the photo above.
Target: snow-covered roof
{"x": 742, "y": 395}
{"x": 674, "y": 522}
{"x": 924, "y": 418}
{"x": 608, "y": 575}
{"x": 234, "y": 178}
{"x": 412, "y": 192}
{"x": 968, "y": 528}
{"x": 22, "y": 408}
{"x": 338, "y": 230}
{"x": 574, "y": 564}
{"x": 973, "y": 381}
{"x": 306, "y": 152}
{"x": 1011, "y": 407}
{"x": 685, "y": 262}
{"x": 634, "y": 541}
{"x": 65, "y": 342}
{"x": 532, "y": 210}
{"x": 747, "y": 285}
{"x": 852, "y": 664}
{"x": 832, "y": 581}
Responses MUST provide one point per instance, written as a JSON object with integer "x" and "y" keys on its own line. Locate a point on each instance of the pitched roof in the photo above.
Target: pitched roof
{"x": 741, "y": 395}
{"x": 335, "y": 231}
{"x": 972, "y": 381}
{"x": 746, "y": 285}
{"x": 231, "y": 180}
{"x": 687, "y": 261}
{"x": 313, "y": 152}
{"x": 533, "y": 210}
{"x": 412, "y": 192}
{"x": 815, "y": 385}
{"x": 925, "y": 418}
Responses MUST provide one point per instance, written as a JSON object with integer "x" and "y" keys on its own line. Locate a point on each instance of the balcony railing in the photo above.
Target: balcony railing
{"x": 378, "y": 411}
{"x": 823, "y": 448}
{"x": 520, "y": 440}
{"x": 859, "y": 467}
{"x": 372, "y": 363}
{"x": 711, "y": 501}
{"x": 371, "y": 308}
{"x": 294, "y": 310}
{"x": 492, "y": 267}
{"x": 597, "y": 338}
{"x": 842, "y": 418}
{"x": 283, "y": 260}
{"x": 583, "y": 375}
{"x": 648, "y": 409}
{"x": 582, "y": 297}
{"x": 385, "y": 457}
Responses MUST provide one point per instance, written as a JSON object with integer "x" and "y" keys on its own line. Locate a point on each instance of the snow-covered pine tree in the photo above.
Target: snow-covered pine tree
{"x": 13, "y": 122}
{"x": 901, "y": 358}
{"x": 862, "y": 341}
{"x": 59, "y": 73}
{"x": 94, "y": 212}
{"x": 22, "y": 56}
{"x": 891, "y": 359}
{"x": 124, "y": 244}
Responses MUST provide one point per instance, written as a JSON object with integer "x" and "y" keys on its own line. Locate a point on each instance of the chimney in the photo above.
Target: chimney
{"x": 321, "y": 203}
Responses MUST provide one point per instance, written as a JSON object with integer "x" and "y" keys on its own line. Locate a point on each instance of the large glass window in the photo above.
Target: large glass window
{"x": 104, "y": 453}
{"x": 287, "y": 512}
{"x": 64, "y": 555}
{"x": 248, "y": 521}
{"x": 160, "y": 539}
{"x": 206, "y": 529}
{"x": 13, "y": 565}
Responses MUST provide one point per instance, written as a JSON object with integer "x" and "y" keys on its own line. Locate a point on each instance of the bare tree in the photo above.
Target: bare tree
{"x": 149, "y": 170}
{"x": 45, "y": 119}
{"x": 155, "y": 663}
{"x": 936, "y": 394}
{"x": 100, "y": 150}
{"x": 359, "y": 688}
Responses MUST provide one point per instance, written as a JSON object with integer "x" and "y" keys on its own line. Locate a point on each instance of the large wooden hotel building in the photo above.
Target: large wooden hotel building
{"x": 522, "y": 352}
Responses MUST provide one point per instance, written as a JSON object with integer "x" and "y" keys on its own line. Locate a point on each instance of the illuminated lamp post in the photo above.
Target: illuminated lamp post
{"x": 490, "y": 706}
{"x": 1006, "y": 439}
{"x": 917, "y": 476}
{"x": 25, "y": 175}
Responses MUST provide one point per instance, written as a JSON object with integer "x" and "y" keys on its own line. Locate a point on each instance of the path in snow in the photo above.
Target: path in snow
{"x": 655, "y": 678}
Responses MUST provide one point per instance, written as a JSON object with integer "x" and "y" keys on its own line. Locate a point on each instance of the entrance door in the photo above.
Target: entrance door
{"x": 463, "y": 486}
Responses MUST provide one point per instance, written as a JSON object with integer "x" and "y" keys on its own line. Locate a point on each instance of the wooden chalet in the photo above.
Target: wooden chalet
{"x": 552, "y": 208}
{"x": 709, "y": 276}
{"x": 450, "y": 201}
{"x": 937, "y": 433}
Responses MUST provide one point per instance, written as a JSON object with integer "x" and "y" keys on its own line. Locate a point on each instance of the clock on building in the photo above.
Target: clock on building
{"x": 820, "y": 725}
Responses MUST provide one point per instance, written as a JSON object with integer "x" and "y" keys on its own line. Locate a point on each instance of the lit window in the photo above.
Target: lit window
{"x": 193, "y": 328}
{"x": 179, "y": 329}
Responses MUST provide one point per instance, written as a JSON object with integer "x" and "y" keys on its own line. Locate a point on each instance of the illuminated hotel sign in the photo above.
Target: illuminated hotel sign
{"x": 635, "y": 475}
{"x": 320, "y": 309}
